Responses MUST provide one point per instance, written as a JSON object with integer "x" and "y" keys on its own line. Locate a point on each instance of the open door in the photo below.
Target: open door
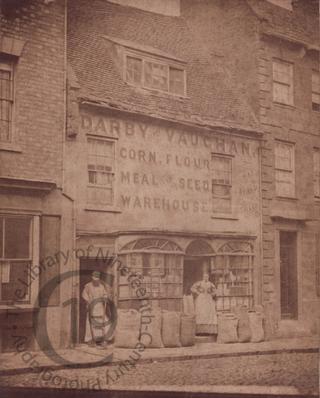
{"x": 87, "y": 266}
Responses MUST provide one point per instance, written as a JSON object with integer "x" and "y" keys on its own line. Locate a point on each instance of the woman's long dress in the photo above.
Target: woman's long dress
{"x": 205, "y": 307}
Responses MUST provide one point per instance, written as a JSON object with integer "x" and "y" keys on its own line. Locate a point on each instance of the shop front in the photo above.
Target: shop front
{"x": 171, "y": 202}
{"x": 168, "y": 267}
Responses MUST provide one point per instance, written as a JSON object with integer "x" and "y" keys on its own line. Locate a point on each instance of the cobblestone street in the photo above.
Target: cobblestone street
{"x": 299, "y": 370}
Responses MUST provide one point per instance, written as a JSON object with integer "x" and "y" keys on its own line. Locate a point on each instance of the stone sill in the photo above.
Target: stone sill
{"x": 7, "y": 146}
{"x": 103, "y": 209}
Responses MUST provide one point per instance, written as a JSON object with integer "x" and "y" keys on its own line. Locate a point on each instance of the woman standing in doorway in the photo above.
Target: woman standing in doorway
{"x": 205, "y": 306}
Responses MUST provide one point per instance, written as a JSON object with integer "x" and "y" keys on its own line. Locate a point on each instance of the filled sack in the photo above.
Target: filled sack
{"x": 188, "y": 304}
{"x": 256, "y": 326}
{"x": 227, "y": 328}
{"x": 187, "y": 330}
{"x": 150, "y": 328}
{"x": 243, "y": 328}
{"x": 171, "y": 329}
{"x": 128, "y": 328}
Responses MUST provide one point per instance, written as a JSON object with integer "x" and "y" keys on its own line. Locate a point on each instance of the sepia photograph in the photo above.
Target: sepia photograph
{"x": 159, "y": 198}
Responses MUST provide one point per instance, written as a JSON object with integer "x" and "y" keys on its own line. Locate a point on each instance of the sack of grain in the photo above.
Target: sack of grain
{"x": 243, "y": 330}
{"x": 227, "y": 328}
{"x": 150, "y": 329}
{"x": 187, "y": 330}
{"x": 256, "y": 326}
{"x": 128, "y": 328}
{"x": 171, "y": 329}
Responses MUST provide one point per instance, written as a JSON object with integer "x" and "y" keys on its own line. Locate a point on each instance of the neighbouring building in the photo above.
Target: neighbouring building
{"x": 162, "y": 155}
{"x": 36, "y": 222}
{"x": 289, "y": 99}
{"x": 274, "y": 53}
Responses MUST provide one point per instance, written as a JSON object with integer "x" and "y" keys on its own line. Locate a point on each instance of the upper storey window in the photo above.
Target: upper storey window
{"x": 155, "y": 74}
{"x": 6, "y": 99}
{"x": 282, "y": 82}
{"x": 316, "y": 91}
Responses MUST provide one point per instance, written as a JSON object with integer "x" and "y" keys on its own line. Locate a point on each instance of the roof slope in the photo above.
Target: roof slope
{"x": 213, "y": 98}
{"x": 301, "y": 24}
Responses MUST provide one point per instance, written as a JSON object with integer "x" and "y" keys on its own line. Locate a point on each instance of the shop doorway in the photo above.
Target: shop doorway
{"x": 288, "y": 275}
{"x": 192, "y": 272}
{"x": 87, "y": 266}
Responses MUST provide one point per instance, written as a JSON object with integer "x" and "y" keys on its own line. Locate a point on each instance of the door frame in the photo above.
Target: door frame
{"x": 287, "y": 228}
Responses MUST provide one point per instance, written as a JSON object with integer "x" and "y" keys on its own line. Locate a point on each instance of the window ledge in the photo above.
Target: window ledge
{"x": 221, "y": 216}
{"x": 105, "y": 209}
{"x": 281, "y": 105}
{"x": 7, "y": 308}
{"x": 10, "y": 147}
{"x": 284, "y": 198}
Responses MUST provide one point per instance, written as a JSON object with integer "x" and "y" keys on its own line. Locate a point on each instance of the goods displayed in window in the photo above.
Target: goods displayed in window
{"x": 15, "y": 258}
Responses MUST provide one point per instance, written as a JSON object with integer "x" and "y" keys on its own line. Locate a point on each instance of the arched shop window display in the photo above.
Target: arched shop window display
{"x": 231, "y": 272}
{"x": 160, "y": 262}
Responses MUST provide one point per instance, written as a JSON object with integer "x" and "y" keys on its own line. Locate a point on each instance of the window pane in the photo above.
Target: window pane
{"x": 282, "y": 72}
{"x": 316, "y": 98}
{"x": 100, "y": 196}
{"x": 156, "y": 76}
{"x": 100, "y": 171}
{"x": 316, "y": 82}
{"x": 221, "y": 170}
{"x": 282, "y": 93}
{"x": 134, "y": 70}
{"x": 285, "y": 183}
{"x": 316, "y": 172}
{"x": 15, "y": 281}
{"x": 222, "y": 205}
{"x": 17, "y": 237}
{"x": 176, "y": 81}
{"x": 284, "y": 156}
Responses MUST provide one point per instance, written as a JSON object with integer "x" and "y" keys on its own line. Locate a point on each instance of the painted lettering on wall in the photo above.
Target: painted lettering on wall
{"x": 167, "y": 169}
{"x": 113, "y": 127}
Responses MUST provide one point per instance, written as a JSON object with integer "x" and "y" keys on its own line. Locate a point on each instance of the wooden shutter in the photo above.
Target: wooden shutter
{"x": 49, "y": 247}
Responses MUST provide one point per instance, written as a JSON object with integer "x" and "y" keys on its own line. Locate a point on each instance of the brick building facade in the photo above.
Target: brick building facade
{"x": 275, "y": 55}
{"x": 164, "y": 161}
{"x": 35, "y": 215}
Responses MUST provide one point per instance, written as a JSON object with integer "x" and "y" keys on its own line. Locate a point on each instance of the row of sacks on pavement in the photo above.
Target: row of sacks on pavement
{"x": 160, "y": 328}
{"x": 154, "y": 329}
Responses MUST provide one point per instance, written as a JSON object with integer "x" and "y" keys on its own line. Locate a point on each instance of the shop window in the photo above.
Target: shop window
{"x": 282, "y": 82}
{"x": 6, "y": 99}
{"x": 316, "y": 91}
{"x": 221, "y": 183}
{"x": 316, "y": 172}
{"x": 101, "y": 159}
{"x": 284, "y": 169}
{"x": 232, "y": 274}
{"x": 15, "y": 258}
{"x": 155, "y": 74}
{"x": 159, "y": 262}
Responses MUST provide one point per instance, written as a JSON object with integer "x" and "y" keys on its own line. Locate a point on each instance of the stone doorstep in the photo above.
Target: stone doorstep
{"x": 83, "y": 356}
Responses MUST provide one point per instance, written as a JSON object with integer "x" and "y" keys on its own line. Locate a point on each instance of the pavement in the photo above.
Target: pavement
{"x": 83, "y": 356}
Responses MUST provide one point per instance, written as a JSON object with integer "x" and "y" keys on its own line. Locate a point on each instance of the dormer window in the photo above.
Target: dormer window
{"x": 155, "y": 74}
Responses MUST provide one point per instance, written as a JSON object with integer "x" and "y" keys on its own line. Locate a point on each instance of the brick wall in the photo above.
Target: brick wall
{"x": 39, "y": 91}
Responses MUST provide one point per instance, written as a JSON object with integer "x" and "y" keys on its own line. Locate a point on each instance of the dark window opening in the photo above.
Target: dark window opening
{"x": 288, "y": 275}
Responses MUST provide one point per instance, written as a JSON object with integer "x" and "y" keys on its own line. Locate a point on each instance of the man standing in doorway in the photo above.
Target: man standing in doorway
{"x": 96, "y": 294}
